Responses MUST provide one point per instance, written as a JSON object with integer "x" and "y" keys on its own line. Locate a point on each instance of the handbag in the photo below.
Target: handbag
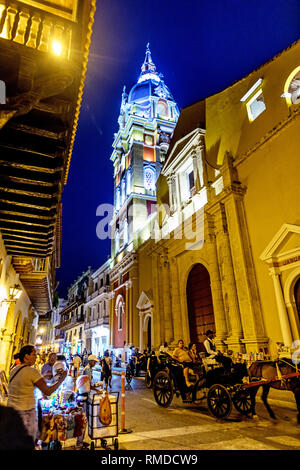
{"x": 105, "y": 414}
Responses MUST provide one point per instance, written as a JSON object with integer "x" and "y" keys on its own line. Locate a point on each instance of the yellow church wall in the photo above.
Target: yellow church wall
{"x": 227, "y": 124}
{"x": 271, "y": 176}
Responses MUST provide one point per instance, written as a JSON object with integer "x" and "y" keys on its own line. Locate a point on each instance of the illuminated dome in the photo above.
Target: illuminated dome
{"x": 150, "y": 83}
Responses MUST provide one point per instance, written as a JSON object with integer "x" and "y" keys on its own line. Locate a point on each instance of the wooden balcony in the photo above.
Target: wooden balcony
{"x": 36, "y": 277}
{"x": 43, "y": 59}
{"x": 34, "y": 28}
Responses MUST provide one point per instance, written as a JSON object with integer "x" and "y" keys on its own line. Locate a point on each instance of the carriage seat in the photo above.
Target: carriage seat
{"x": 210, "y": 363}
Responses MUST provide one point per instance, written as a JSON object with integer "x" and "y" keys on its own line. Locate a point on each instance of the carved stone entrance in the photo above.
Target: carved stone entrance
{"x": 200, "y": 305}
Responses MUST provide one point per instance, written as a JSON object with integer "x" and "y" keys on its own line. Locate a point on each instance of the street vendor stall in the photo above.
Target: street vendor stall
{"x": 62, "y": 419}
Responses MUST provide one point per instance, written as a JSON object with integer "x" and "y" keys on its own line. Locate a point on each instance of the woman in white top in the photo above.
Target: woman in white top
{"x": 23, "y": 380}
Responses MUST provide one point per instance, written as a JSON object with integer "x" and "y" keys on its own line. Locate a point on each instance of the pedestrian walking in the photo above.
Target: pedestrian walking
{"x": 106, "y": 363}
{"x": 76, "y": 364}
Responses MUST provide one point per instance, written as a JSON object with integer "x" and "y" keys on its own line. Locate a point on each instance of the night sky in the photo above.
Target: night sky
{"x": 200, "y": 46}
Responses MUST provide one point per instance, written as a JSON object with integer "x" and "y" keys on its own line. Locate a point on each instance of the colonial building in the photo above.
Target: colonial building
{"x": 18, "y": 318}
{"x": 97, "y": 308}
{"x": 147, "y": 119}
{"x": 224, "y": 251}
{"x": 73, "y": 315}
{"x": 49, "y": 336}
{"x": 43, "y": 58}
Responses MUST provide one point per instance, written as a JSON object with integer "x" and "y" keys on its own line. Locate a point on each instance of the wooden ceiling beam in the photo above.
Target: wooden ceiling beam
{"x": 36, "y": 237}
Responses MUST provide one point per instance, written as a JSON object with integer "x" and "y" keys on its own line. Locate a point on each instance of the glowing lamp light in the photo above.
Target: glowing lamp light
{"x": 41, "y": 330}
{"x": 15, "y": 292}
{"x": 56, "y": 47}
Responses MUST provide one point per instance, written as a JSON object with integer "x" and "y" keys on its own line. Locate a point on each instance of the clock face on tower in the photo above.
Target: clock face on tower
{"x": 148, "y": 140}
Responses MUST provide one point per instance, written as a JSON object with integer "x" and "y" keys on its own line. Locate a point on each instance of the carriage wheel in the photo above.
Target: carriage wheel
{"x": 163, "y": 389}
{"x": 219, "y": 401}
{"x": 128, "y": 374}
{"x": 148, "y": 380}
{"x": 242, "y": 402}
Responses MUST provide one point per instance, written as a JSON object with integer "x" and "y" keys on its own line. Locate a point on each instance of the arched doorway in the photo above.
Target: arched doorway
{"x": 200, "y": 305}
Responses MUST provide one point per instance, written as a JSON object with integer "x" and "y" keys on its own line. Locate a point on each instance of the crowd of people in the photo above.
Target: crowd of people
{"x": 31, "y": 371}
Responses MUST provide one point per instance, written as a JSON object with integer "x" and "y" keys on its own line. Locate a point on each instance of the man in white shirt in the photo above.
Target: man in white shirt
{"x": 88, "y": 370}
{"x": 209, "y": 344}
{"x": 47, "y": 369}
{"x": 211, "y": 353}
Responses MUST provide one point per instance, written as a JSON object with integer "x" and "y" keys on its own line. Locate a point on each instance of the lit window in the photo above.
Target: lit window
{"x": 125, "y": 232}
{"x": 292, "y": 87}
{"x": 117, "y": 242}
{"x": 256, "y": 105}
{"x": 120, "y": 315}
{"x": 128, "y": 183}
{"x": 123, "y": 192}
{"x": 118, "y": 199}
{"x": 191, "y": 183}
{"x": 162, "y": 108}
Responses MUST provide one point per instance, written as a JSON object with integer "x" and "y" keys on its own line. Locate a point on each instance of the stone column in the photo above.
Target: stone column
{"x": 227, "y": 279}
{"x": 175, "y": 296}
{"x": 157, "y": 338}
{"x": 126, "y": 315}
{"x": 6, "y": 345}
{"x": 172, "y": 192}
{"x": 195, "y": 157}
{"x": 111, "y": 318}
{"x": 129, "y": 311}
{"x": 202, "y": 169}
{"x": 168, "y": 320}
{"x": 134, "y": 318}
{"x": 216, "y": 290}
{"x": 242, "y": 262}
{"x": 282, "y": 313}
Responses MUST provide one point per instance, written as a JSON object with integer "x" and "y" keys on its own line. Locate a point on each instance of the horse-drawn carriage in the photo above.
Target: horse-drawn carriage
{"x": 223, "y": 387}
{"x": 220, "y": 386}
{"x": 145, "y": 366}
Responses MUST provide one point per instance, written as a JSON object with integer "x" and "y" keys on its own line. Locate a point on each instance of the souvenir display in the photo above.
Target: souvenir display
{"x": 62, "y": 417}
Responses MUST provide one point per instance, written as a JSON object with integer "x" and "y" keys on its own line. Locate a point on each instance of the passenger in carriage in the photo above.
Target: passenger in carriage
{"x": 182, "y": 355}
{"x": 195, "y": 366}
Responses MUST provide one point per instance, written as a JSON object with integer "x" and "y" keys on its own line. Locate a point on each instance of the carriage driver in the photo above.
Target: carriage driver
{"x": 209, "y": 344}
{"x": 211, "y": 353}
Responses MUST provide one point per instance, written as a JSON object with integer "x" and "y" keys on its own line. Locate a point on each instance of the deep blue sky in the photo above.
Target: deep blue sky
{"x": 200, "y": 46}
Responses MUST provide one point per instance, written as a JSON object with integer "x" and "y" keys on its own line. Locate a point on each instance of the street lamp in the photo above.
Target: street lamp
{"x": 15, "y": 292}
{"x": 56, "y": 47}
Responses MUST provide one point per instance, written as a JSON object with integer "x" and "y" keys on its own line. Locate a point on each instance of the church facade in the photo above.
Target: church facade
{"x": 220, "y": 250}
{"x": 224, "y": 248}
{"x": 148, "y": 116}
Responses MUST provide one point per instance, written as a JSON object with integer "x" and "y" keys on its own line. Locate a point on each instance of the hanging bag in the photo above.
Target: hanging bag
{"x": 105, "y": 415}
{"x": 16, "y": 373}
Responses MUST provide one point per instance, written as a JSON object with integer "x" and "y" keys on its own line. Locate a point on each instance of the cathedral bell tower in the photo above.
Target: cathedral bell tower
{"x": 148, "y": 116}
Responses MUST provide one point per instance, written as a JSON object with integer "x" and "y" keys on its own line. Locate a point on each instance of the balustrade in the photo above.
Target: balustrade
{"x": 34, "y": 29}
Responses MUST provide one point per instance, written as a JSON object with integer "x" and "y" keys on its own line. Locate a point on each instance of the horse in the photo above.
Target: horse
{"x": 260, "y": 370}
